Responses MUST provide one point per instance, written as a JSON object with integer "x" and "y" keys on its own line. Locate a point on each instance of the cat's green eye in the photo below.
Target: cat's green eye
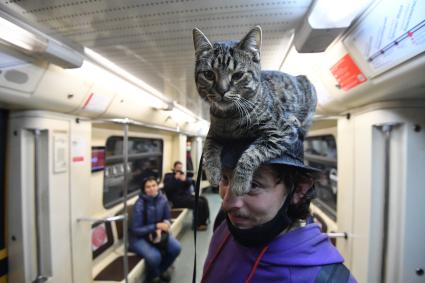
{"x": 237, "y": 76}
{"x": 209, "y": 75}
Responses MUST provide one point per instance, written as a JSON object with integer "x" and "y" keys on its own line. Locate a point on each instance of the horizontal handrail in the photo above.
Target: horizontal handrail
{"x": 334, "y": 235}
{"x": 319, "y": 158}
{"x": 106, "y": 219}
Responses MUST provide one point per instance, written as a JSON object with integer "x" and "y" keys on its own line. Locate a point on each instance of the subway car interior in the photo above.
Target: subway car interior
{"x": 96, "y": 95}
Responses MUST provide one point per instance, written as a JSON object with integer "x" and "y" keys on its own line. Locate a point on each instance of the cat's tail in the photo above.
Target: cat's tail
{"x": 307, "y": 103}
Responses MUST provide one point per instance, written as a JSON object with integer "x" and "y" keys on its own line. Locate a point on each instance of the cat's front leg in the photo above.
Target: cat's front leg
{"x": 249, "y": 162}
{"x": 265, "y": 148}
{"x": 241, "y": 180}
{"x": 212, "y": 162}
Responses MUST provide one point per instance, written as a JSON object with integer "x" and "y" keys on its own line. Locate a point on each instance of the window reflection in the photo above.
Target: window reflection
{"x": 320, "y": 152}
{"x": 144, "y": 160}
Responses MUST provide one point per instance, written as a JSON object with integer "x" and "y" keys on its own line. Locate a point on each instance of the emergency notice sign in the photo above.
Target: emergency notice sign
{"x": 347, "y": 73}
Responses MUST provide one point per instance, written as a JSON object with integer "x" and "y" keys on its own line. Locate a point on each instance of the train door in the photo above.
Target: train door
{"x": 46, "y": 149}
{"x": 381, "y": 192}
{"x": 3, "y": 250}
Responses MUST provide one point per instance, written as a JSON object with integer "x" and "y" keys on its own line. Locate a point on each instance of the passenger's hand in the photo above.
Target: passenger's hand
{"x": 162, "y": 226}
{"x": 158, "y": 236}
{"x": 180, "y": 176}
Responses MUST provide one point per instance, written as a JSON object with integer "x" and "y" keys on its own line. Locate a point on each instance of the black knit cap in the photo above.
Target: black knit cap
{"x": 294, "y": 156}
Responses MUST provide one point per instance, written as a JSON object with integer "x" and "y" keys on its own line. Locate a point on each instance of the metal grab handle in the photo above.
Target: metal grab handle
{"x": 334, "y": 235}
{"x": 121, "y": 217}
{"x": 40, "y": 279}
{"x": 38, "y": 184}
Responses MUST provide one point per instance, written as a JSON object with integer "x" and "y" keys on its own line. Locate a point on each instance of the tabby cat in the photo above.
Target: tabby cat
{"x": 270, "y": 107}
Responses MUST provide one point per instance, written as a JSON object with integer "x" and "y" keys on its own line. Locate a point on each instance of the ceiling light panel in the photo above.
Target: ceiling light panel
{"x": 153, "y": 39}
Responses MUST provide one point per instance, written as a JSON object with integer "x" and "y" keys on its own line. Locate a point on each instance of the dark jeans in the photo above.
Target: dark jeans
{"x": 189, "y": 202}
{"x": 156, "y": 263}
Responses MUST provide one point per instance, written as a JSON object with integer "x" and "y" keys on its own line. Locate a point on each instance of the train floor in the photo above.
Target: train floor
{"x": 183, "y": 266}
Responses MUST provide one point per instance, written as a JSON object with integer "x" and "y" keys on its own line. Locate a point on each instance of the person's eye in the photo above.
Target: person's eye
{"x": 237, "y": 76}
{"x": 209, "y": 75}
{"x": 255, "y": 189}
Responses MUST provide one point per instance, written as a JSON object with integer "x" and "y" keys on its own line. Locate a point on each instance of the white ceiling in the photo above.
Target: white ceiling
{"x": 153, "y": 39}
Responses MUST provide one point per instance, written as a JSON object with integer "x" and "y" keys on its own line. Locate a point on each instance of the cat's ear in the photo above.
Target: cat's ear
{"x": 200, "y": 41}
{"x": 252, "y": 42}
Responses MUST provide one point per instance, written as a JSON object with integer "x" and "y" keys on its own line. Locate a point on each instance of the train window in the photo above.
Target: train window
{"x": 320, "y": 152}
{"x": 144, "y": 160}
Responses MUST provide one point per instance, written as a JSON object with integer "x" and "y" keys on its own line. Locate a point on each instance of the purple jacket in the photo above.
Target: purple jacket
{"x": 292, "y": 257}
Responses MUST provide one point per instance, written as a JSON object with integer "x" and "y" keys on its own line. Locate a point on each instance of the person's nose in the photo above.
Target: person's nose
{"x": 230, "y": 200}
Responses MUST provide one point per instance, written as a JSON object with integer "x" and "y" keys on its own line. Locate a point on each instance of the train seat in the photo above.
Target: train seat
{"x": 112, "y": 269}
{"x": 115, "y": 270}
{"x": 177, "y": 219}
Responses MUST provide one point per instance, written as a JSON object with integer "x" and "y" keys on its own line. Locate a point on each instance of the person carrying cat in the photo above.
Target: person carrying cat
{"x": 266, "y": 235}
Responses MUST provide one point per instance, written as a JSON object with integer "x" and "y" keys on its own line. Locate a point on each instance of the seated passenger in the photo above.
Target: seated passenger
{"x": 170, "y": 176}
{"x": 149, "y": 235}
{"x": 178, "y": 190}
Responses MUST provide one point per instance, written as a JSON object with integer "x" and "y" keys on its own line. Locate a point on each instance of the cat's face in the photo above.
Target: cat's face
{"x": 227, "y": 74}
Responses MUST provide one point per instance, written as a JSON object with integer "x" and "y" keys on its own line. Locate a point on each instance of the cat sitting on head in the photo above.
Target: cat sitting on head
{"x": 270, "y": 108}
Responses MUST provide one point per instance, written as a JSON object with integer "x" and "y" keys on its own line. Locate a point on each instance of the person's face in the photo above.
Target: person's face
{"x": 266, "y": 196}
{"x": 178, "y": 167}
{"x": 151, "y": 188}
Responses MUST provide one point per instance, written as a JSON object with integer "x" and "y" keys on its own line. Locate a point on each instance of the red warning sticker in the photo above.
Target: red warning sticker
{"x": 347, "y": 73}
{"x": 78, "y": 159}
{"x": 88, "y": 100}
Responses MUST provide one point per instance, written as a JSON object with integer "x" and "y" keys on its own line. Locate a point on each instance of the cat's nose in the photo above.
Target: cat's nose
{"x": 222, "y": 88}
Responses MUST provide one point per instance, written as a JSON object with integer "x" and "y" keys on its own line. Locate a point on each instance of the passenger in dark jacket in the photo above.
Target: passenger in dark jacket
{"x": 178, "y": 189}
{"x": 150, "y": 219}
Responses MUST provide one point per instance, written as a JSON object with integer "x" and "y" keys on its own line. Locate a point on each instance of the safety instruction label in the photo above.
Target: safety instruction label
{"x": 347, "y": 73}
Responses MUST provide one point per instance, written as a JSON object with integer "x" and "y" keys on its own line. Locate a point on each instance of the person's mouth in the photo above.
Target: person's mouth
{"x": 238, "y": 220}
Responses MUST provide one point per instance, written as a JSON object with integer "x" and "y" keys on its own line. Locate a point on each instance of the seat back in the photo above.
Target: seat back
{"x": 119, "y": 224}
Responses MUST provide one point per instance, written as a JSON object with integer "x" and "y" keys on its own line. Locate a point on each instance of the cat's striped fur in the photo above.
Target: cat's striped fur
{"x": 271, "y": 107}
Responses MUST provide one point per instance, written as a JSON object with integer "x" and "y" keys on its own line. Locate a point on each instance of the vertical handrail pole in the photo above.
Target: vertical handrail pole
{"x": 36, "y": 192}
{"x": 37, "y": 201}
{"x": 386, "y": 129}
{"x": 387, "y": 132}
{"x": 125, "y": 187}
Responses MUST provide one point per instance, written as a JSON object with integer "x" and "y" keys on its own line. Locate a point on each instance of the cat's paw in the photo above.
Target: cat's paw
{"x": 213, "y": 176}
{"x": 241, "y": 183}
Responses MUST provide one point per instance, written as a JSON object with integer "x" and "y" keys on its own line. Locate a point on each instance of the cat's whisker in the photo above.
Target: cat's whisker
{"x": 248, "y": 115}
{"x": 244, "y": 113}
{"x": 245, "y": 104}
{"x": 249, "y": 103}
{"x": 240, "y": 111}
